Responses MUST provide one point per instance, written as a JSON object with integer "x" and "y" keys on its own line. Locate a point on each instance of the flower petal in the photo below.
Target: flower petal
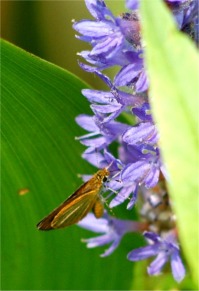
{"x": 178, "y": 269}
{"x": 135, "y": 172}
{"x": 94, "y": 224}
{"x": 98, "y": 241}
{"x": 140, "y": 133}
{"x": 152, "y": 178}
{"x": 122, "y": 195}
{"x": 143, "y": 253}
{"x": 102, "y": 97}
{"x": 132, "y": 4}
{"x": 156, "y": 266}
{"x": 105, "y": 108}
{"x": 94, "y": 29}
{"x": 128, "y": 73}
{"x": 97, "y": 9}
{"x": 112, "y": 247}
{"x": 108, "y": 46}
{"x": 143, "y": 83}
{"x": 87, "y": 122}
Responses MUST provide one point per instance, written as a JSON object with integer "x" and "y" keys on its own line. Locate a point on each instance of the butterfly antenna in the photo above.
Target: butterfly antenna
{"x": 109, "y": 165}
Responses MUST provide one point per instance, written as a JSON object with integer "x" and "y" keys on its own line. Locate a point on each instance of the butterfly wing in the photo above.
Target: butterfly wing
{"x": 76, "y": 206}
{"x": 71, "y": 210}
{"x": 75, "y": 211}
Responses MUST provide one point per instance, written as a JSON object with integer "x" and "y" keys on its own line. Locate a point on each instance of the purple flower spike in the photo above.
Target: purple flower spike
{"x": 122, "y": 134}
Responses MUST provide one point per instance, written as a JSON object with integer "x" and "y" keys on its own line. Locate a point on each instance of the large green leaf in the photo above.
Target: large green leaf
{"x": 173, "y": 67}
{"x": 39, "y": 152}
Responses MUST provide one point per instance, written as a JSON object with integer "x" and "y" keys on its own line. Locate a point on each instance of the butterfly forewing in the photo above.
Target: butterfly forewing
{"x": 71, "y": 214}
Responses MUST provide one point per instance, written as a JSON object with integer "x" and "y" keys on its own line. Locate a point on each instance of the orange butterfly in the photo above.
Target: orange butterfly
{"x": 77, "y": 206}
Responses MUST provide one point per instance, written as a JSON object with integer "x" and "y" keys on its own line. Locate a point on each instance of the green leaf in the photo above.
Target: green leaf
{"x": 173, "y": 67}
{"x": 39, "y": 152}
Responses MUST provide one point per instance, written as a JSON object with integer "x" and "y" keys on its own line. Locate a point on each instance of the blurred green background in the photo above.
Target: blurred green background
{"x": 44, "y": 28}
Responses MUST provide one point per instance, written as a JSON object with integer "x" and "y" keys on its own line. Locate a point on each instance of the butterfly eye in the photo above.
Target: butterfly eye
{"x": 104, "y": 179}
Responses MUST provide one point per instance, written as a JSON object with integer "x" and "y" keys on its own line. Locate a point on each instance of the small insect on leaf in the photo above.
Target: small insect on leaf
{"x": 77, "y": 206}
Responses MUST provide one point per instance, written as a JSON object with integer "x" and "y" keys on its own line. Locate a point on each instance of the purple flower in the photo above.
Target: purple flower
{"x": 108, "y": 105}
{"x": 141, "y": 172}
{"x": 101, "y": 134}
{"x": 165, "y": 249}
{"x": 113, "y": 230}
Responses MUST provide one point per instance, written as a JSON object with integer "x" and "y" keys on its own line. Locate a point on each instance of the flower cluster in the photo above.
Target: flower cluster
{"x": 138, "y": 171}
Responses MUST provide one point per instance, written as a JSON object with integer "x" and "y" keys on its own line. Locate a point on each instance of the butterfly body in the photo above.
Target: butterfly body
{"x": 76, "y": 207}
